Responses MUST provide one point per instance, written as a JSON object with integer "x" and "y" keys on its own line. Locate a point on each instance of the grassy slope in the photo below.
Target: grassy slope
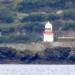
{"x": 35, "y": 12}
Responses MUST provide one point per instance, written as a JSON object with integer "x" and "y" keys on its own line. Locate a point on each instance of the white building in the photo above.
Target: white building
{"x": 48, "y": 33}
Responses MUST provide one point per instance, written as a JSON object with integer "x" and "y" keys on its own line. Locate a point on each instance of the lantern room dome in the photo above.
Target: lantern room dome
{"x": 48, "y": 25}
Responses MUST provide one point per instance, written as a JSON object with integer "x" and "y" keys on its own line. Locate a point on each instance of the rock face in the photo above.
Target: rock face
{"x": 57, "y": 55}
{"x": 22, "y": 47}
{"x": 39, "y": 46}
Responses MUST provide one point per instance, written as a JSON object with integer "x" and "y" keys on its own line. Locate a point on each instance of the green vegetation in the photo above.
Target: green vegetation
{"x": 28, "y": 16}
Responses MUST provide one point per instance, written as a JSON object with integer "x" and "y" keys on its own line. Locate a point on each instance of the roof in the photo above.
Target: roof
{"x": 48, "y": 25}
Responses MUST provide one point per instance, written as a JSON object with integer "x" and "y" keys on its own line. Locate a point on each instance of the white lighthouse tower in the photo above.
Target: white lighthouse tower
{"x": 48, "y": 33}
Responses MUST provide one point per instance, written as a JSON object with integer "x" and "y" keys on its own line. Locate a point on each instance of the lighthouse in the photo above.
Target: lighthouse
{"x": 48, "y": 33}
